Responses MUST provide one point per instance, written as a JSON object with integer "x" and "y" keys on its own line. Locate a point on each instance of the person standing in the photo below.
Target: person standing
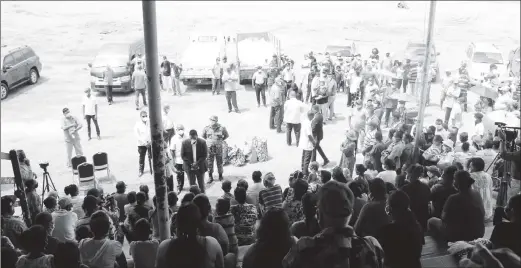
{"x": 178, "y": 69}
{"x": 90, "y": 112}
{"x": 289, "y": 76}
{"x": 139, "y": 84}
{"x": 322, "y": 96}
{"x": 230, "y": 80}
{"x": 108, "y": 77}
{"x": 70, "y": 127}
{"x": 194, "y": 153}
{"x": 175, "y": 149}
{"x": 258, "y": 82}
{"x": 317, "y": 128}
{"x": 217, "y": 72}
{"x": 168, "y": 125}
{"x": 137, "y": 61}
{"x": 142, "y": 132}
{"x": 308, "y": 142}
{"x": 407, "y": 68}
{"x": 276, "y": 101}
{"x": 463, "y": 83}
{"x": 215, "y": 134}
{"x": 166, "y": 77}
{"x": 293, "y": 110}
{"x": 332, "y": 88}
{"x": 452, "y": 93}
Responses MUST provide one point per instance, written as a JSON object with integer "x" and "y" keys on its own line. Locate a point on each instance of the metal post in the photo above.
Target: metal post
{"x": 154, "y": 110}
{"x": 424, "y": 85}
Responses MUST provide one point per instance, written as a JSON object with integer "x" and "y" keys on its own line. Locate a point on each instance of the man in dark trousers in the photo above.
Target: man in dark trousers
{"x": 108, "y": 77}
{"x": 317, "y": 128}
{"x": 194, "y": 153}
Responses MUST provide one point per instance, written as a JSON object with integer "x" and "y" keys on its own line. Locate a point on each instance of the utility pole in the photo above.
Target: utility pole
{"x": 154, "y": 110}
{"x": 425, "y": 76}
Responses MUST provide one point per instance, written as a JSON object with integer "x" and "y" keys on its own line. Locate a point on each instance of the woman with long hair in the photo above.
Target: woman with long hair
{"x": 293, "y": 208}
{"x": 309, "y": 226}
{"x": 274, "y": 240}
{"x": 34, "y": 241}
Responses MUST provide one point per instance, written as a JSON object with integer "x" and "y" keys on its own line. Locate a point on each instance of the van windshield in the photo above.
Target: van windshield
{"x": 110, "y": 60}
{"x": 487, "y": 57}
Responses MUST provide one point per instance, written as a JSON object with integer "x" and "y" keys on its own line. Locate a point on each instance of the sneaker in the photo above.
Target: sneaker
{"x": 229, "y": 111}
{"x": 237, "y": 111}
{"x": 99, "y": 137}
{"x": 90, "y": 138}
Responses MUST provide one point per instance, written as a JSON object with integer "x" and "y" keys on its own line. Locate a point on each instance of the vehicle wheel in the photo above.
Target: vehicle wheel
{"x": 4, "y": 91}
{"x": 33, "y": 76}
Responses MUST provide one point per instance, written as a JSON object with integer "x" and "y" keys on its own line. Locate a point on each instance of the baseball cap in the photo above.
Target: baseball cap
{"x": 335, "y": 199}
{"x": 64, "y": 202}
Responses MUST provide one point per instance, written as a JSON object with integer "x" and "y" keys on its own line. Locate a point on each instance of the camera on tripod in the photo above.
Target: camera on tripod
{"x": 510, "y": 132}
{"x": 44, "y": 165}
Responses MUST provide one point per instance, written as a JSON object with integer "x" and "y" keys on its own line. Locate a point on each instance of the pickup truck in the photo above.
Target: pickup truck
{"x": 253, "y": 50}
{"x": 199, "y": 58}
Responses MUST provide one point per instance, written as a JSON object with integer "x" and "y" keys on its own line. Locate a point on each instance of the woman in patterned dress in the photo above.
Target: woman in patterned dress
{"x": 293, "y": 207}
{"x": 483, "y": 184}
{"x": 348, "y": 149}
{"x": 245, "y": 218}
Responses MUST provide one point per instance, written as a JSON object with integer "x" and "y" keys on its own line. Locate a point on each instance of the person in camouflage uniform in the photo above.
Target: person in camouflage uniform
{"x": 215, "y": 134}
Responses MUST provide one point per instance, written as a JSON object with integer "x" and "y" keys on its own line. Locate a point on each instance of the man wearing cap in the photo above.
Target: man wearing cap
{"x": 329, "y": 247}
{"x": 12, "y": 226}
{"x": 215, "y": 134}
{"x": 175, "y": 149}
{"x": 276, "y": 93}
{"x": 217, "y": 72}
{"x": 258, "y": 82}
{"x": 90, "y": 112}
{"x": 194, "y": 153}
{"x": 142, "y": 133}
{"x": 70, "y": 126}
{"x": 64, "y": 221}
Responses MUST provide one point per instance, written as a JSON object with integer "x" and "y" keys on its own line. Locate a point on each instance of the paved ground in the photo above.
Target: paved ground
{"x": 31, "y": 115}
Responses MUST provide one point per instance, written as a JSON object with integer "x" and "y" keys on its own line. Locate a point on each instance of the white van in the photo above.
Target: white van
{"x": 479, "y": 58}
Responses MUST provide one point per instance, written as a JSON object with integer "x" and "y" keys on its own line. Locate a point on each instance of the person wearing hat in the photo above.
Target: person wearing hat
{"x": 215, "y": 134}
{"x": 463, "y": 214}
{"x": 276, "y": 92}
{"x": 258, "y": 82}
{"x": 327, "y": 249}
{"x": 217, "y": 73}
{"x": 175, "y": 150}
{"x": 64, "y": 220}
{"x": 70, "y": 127}
{"x": 90, "y": 111}
{"x": 479, "y": 128}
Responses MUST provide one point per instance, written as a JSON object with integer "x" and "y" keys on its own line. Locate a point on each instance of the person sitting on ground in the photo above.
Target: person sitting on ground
{"x": 121, "y": 199}
{"x": 99, "y": 251}
{"x": 82, "y": 232}
{"x": 12, "y": 226}
{"x": 254, "y": 190}
{"x": 433, "y": 176}
{"x": 227, "y": 221}
{"x": 325, "y": 176}
{"x": 226, "y": 186}
{"x": 482, "y": 184}
{"x": 131, "y": 198}
{"x": 404, "y": 230}
{"x": 463, "y": 216}
{"x": 90, "y": 206}
{"x": 34, "y": 201}
{"x": 271, "y": 196}
{"x": 64, "y": 220}
{"x": 314, "y": 173}
{"x": 143, "y": 250}
{"x": 441, "y": 191}
{"x": 335, "y": 205}
{"x": 337, "y": 174}
{"x": 506, "y": 234}
{"x": 245, "y": 218}
{"x": 50, "y": 204}
{"x": 139, "y": 211}
{"x": 370, "y": 170}
{"x": 244, "y": 184}
{"x": 45, "y": 219}
{"x": 34, "y": 241}
{"x": 362, "y": 178}
{"x": 419, "y": 194}
{"x": 359, "y": 201}
{"x": 188, "y": 198}
{"x": 389, "y": 173}
{"x": 144, "y": 189}
{"x": 293, "y": 207}
{"x": 189, "y": 249}
{"x": 432, "y": 155}
{"x": 9, "y": 257}
{"x": 274, "y": 240}
{"x": 77, "y": 201}
{"x": 372, "y": 216}
{"x": 194, "y": 189}
{"x": 68, "y": 256}
{"x": 308, "y": 226}
{"x": 172, "y": 202}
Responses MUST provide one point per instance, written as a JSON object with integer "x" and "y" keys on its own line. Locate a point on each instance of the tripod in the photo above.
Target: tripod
{"x": 47, "y": 182}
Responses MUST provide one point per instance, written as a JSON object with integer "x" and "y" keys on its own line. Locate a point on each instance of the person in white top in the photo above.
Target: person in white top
{"x": 452, "y": 93}
{"x": 288, "y": 75}
{"x": 230, "y": 81}
{"x": 479, "y": 128}
{"x": 307, "y": 143}
{"x": 90, "y": 112}
{"x": 293, "y": 110}
{"x": 389, "y": 173}
{"x": 142, "y": 132}
{"x": 64, "y": 221}
{"x": 175, "y": 149}
{"x": 168, "y": 124}
{"x": 258, "y": 82}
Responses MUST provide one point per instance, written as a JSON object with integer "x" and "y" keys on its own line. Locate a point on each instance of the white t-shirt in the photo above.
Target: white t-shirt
{"x": 305, "y": 144}
{"x": 229, "y": 84}
{"x": 90, "y": 105}
{"x": 479, "y": 130}
{"x": 387, "y": 176}
{"x": 64, "y": 224}
{"x": 99, "y": 253}
{"x": 175, "y": 145}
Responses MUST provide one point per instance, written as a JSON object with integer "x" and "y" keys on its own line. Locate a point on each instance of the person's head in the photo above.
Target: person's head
{"x": 389, "y": 164}
{"x": 292, "y": 95}
{"x": 66, "y": 113}
{"x": 217, "y": 60}
{"x": 463, "y": 137}
{"x": 99, "y": 224}
{"x": 240, "y": 195}
{"x": 309, "y": 205}
{"x": 476, "y": 164}
{"x": 465, "y": 147}
{"x": 7, "y": 203}
{"x": 300, "y": 187}
{"x": 226, "y": 186}
{"x": 274, "y": 229}
{"x": 31, "y": 185}
{"x": 313, "y": 166}
{"x": 377, "y": 189}
{"x": 141, "y": 198}
{"x": 95, "y": 192}
{"x": 9, "y": 258}
{"x": 222, "y": 206}
{"x": 45, "y": 219}
{"x": 82, "y": 232}
{"x": 478, "y": 117}
{"x": 513, "y": 209}
{"x": 203, "y": 203}
{"x": 225, "y": 59}
{"x": 131, "y": 197}
{"x": 144, "y": 116}
{"x": 337, "y": 174}
{"x": 269, "y": 179}
{"x": 194, "y": 189}
{"x": 311, "y": 114}
{"x": 489, "y": 144}
{"x": 142, "y": 229}
{"x": 360, "y": 169}
{"x": 256, "y": 176}
{"x": 90, "y": 204}
{"x": 325, "y": 176}
{"x": 67, "y": 255}
{"x": 193, "y": 135}
{"x": 463, "y": 181}
{"x": 144, "y": 188}
{"x": 121, "y": 186}
{"x": 214, "y": 120}
{"x": 50, "y": 203}
{"x": 398, "y": 135}
{"x": 356, "y": 187}
{"x": 371, "y": 125}
{"x": 243, "y": 183}
{"x": 335, "y": 205}
{"x": 398, "y": 204}
{"x": 34, "y": 239}
{"x": 438, "y": 140}
{"x": 378, "y": 136}
{"x": 438, "y": 124}
{"x": 408, "y": 138}
{"x": 401, "y": 181}
{"x": 180, "y": 130}
{"x": 433, "y": 172}
{"x": 172, "y": 199}
{"x": 65, "y": 203}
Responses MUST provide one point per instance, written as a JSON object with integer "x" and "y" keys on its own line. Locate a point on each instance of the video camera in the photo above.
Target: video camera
{"x": 44, "y": 165}
{"x": 510, "y": 132}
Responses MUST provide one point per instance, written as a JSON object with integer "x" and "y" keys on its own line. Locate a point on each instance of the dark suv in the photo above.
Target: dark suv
{"x": 19, "y": 66}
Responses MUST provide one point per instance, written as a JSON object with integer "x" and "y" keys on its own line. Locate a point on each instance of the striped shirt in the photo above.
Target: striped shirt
{"x": 271, "y": 197}
{"x": 370, "y": 140}
{"x": 413, "y": 74}
{"x": 227, "y": 221}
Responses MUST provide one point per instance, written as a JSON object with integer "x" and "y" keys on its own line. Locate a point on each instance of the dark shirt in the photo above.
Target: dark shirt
{"x": 419, "y": 193}
{"x": 305, "y": 228}
{"x": 402, "y": 243}
{"x": 371, "y": 218}
{"x": 516, "y": 167}
{"x": 376, "y": 152}
{"x": 317, "y": 126}
{"x": 138, "y": 212}
{"x": 507, "y": 235}
{"x": 167, "y": 68}
{"x": 463, "y": 216}
{"x": 121, "y": 200}
{"x": 439, "y": 195}
{"x": 262, "y": 255}
{"x": 52, "y": 244}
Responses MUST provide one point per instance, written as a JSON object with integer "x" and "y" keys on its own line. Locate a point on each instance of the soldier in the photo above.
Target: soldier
{"x": 215, "y": 134}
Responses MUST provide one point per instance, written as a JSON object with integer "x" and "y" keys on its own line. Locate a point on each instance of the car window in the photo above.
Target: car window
{"x": 8, "y": 60}
{"x": 28, "y": 52}
{"x": 18, "y": 57}
{"x": 487, "y": 57}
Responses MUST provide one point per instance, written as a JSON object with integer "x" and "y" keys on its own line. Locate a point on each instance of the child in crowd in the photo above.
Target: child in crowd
{"x": 34, "y": 201}
{"x": 195, "y": 189}
{"x": 227, "y": 187}
{"x": 143, "y": 250}
{"x": 314, "y": 175}
{"x": 82, "y": 232}
{"x": 227, "y": 221}
{"x": 50, "y": 203}
{"x": 172, "y": 202}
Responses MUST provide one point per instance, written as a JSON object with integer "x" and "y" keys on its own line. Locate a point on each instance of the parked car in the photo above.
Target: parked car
{"x": 343, "y": 49}
{"x": 479, "y": 58}
{"x": 118, "y": 56}
{"x": 415, "y": 51}
{"x": 19, "y": 66}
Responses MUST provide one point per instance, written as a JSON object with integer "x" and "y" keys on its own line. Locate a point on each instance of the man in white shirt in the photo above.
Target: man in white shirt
{"x": 142, "y": 132}
{"x": 175, "y": 149}
{"x": 168, "y": 124}
{"x": 288, "y": 75}
{"x": 440, "y": 130}
{"x": 230, "y": 81}
{"x": 258, "y": 82}
{"x": 90, "y": 112}
{"x": 217, "y": 72}
{"x": 64, "y": 221}
{"x": 479, "y": 128}
{"x": 293, "y": 110}
{"x": 70, "y": 126}
{"x": 308, "y": 142}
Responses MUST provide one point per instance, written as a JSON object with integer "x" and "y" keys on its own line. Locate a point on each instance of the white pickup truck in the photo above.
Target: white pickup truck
{"x": 255, "y": 49}
{"x": 199, "y": 58}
